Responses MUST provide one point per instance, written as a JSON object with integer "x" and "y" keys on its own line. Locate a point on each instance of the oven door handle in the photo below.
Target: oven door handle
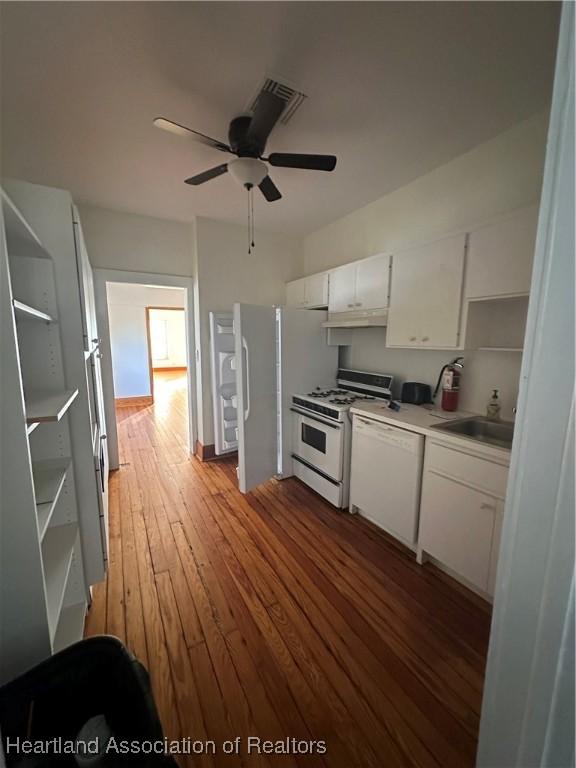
{"x": 315, "y": 418}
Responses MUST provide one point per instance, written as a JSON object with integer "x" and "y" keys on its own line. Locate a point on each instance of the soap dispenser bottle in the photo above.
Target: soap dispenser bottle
{"x": 493, "y": 407}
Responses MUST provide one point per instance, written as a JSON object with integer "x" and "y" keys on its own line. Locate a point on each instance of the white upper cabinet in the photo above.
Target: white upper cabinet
{"x": 308, "y": 292}
{"x": 372, "y": 282}
{"x": 295, "y": 293}
{"x": 342, "y": 289}
{"x": 316, "y": 290}
{"x": 426, "y": 295}
{"x": 362, "y": 285}
{"x": 500, "y": 256}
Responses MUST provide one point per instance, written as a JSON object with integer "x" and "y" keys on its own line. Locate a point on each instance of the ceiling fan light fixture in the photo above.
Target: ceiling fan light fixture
{"x": 248, "y": 171}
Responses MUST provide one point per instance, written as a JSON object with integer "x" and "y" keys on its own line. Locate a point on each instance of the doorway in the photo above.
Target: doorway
{"x": 166, "y": 334}
{"x": 131, "y": 368}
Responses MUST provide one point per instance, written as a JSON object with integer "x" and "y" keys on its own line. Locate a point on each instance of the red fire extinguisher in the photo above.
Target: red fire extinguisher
{"x": 450, "y": 380}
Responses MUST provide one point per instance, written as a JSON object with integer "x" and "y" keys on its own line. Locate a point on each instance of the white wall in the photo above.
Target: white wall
{"x": 118, "y": 240}
{"x": 127, "y": 317}
{"x": 494, "y": 178}
{"x": 170, "y": 323}
{"x": 226, "y": 274}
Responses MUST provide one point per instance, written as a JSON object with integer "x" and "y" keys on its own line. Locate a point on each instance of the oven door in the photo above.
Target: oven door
{"x": 319, "y": 443}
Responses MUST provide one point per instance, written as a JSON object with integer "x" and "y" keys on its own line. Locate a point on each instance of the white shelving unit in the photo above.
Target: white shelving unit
{"x": 57, "y": 551}
{"x": 48, "y": 406}
{"x": 24, "y": 310}
{"x": 52, "y": 546}
{"x": 49, "y": 477}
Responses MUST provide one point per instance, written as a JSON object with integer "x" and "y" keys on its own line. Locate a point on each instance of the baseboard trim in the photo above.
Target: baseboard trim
{"x": 205, "y": 452}
{"x": 169, "y": 368}
{"x": 125, "y": 402}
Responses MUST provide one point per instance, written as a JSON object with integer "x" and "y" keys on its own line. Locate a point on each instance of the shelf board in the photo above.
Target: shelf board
{"x": 20, "y": 236}
{"x": 57, "y": 552}
{"x": 48, "y": 406}
{"x": 70, "y": 627}
{"x": 25, "y": 310}
{"x": 49, "y": 477}
{"x": 500, "y": 349}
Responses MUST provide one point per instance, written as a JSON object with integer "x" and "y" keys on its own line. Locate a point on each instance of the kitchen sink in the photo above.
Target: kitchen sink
{"x": 479, "y": 428}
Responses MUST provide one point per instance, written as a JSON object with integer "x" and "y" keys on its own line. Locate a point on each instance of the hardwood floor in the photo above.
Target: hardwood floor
{"x": 274, "y": 615}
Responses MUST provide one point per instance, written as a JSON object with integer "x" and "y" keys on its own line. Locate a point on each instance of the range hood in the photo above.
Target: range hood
{"x": 371, "y": 318}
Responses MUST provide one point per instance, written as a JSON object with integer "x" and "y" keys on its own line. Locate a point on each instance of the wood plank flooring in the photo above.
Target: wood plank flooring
{"x": 274, "y": 615}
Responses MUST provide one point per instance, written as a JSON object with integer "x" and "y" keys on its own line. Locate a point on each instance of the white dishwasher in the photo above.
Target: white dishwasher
{"x": 386, "y": 475}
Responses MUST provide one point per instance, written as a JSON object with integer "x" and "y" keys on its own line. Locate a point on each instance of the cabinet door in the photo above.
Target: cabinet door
{"x": 342, "y": 289}
{"x": 495, "y": 553}
{"x": 405, "y": 292}
{"x": 295, "y": 296}
{"x": 500, "y": 256}
{"x": 441, "y": 280}
{"x": 316, "y": 290}
{"x": 426, "y": 295}
{"x": 456, "y": 527}
{"x": 372, "y": 282}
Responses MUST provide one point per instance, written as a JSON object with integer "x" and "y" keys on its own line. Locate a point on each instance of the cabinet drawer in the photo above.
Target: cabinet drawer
{"x": 481, "y": 473}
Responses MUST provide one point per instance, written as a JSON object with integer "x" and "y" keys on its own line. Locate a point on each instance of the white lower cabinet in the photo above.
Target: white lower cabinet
{"x": 461, "y": 513}
{"x": 456, "y": 527}
{"x": 496, "y": 538}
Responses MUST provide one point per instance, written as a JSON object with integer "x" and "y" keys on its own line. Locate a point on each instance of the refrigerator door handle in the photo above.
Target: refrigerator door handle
{"x": 247, "y": 378}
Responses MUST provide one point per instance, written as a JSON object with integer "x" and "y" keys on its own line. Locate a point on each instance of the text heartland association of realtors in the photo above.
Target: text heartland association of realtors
{"x": 187, "y": 746}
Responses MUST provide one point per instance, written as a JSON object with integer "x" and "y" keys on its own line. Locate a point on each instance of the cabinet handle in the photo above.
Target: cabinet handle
{"x": 425, "y": 338}
{"x": 412, "y": 338}
{"x": 350, "y": 305}
{"x": 358, "y": 304}
{"x": 485, "y": 505}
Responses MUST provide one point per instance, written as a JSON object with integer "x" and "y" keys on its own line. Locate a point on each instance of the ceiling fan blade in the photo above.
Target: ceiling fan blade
{"x": 269, "y": 107}
{"x": 182, "y": 130}
{"x": 308, "y": 162}
{"x": 269, "y": 189}
{"x": 207, "y": 175}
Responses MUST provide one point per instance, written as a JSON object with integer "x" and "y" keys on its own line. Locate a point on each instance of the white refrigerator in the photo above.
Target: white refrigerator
{"x": 278, "y": 353}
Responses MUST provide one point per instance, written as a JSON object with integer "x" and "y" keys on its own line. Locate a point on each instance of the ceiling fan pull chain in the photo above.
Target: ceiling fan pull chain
{"x": 248, "y": 209}
{"x": 252, "y": 214}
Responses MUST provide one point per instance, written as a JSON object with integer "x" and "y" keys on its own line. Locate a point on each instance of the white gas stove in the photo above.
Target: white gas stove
{"x": 322, "y": 431}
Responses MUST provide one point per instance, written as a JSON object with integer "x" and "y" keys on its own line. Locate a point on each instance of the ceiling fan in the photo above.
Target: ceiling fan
{"x": 247, "y": 137}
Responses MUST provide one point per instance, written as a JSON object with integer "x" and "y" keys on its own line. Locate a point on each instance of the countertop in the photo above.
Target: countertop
{"x": 421, "y": 419}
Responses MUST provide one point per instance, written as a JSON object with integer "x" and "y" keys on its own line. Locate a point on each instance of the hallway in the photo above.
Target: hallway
{"x": 273, "y": 615}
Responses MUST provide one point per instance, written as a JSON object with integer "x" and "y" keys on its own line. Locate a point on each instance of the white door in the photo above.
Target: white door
{"x": 316, "y": 290}
{"x": 342, "y": 289}
{"x": 295, "y": 293}
{"x": 256, "y": 382}
{"x": 372, "y": 282}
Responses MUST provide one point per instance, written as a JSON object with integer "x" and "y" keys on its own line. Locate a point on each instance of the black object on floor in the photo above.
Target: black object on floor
{"x": 54, "y": 700}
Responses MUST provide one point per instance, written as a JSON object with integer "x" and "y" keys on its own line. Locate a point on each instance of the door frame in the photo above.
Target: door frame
{"x": 528, "y": 706}
{"x": 149, "y": 341}
{"x": 101, "y": 278}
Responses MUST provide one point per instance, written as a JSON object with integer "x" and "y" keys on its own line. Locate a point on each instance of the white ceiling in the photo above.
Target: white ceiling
{"x": 395, "y": 90}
